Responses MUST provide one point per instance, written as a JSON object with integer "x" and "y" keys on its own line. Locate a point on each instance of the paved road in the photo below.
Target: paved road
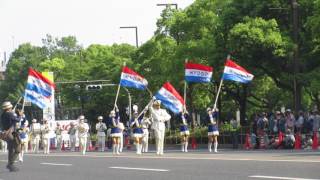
{"x": 173, "y": 165}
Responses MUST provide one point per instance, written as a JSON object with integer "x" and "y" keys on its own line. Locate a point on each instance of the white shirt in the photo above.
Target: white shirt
{"x": 101, "y": 127}
{"x": 83, "y": 129}
{"x": 45, "y": 130}
{"x": 159, "y": 116}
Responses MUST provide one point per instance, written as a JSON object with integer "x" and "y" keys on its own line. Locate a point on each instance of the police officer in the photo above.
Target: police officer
{"x": 45, "y": 130}
{"x": 72, "y": 136}
{"x": 8, "y": 121}
{"x": 159, "y": 116}
{"x": 58, "y": 132}
{"x": 35, "y": 131}
{"x": 101, "y": 127}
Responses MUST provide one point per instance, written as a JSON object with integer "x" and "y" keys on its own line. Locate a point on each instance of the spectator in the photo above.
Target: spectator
{"x": 234, "y": 133}
{"x": 308, "y": 123}
{"x": 289, "y": 120}
{"x": 299, "y": 122}
{"x": 316, "y": 121}
{"x": 289, "y": 140}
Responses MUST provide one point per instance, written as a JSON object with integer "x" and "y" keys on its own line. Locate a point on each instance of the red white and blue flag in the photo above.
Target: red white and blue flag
{"x": 170, "y": 98}
{"x": 234, "y": 72}
{"x": 129, "y": 78}
{"x": 39, "y": 89}
{"x": 198, "y": 73}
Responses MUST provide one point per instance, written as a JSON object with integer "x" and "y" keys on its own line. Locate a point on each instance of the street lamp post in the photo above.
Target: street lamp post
{"x": 169, "y": 4}
{"x": 132, "y": 27}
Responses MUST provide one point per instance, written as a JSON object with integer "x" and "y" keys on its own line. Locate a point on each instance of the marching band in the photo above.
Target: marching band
{"x": 152, "y": 118}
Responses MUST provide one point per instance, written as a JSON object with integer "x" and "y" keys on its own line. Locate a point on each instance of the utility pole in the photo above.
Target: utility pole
{"x": 296, "y": 63}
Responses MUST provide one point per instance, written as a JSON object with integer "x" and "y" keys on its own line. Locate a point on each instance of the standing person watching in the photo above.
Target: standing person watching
{"x": 35, "y": 132}
{"x": 45, "y": 130}
{"x": 58, "y": 132}
{"x": 8, "y": 121}
{"x": 101, "y": 127}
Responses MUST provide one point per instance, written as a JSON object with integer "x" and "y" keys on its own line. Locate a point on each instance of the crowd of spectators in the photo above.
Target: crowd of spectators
{"x": 280, "y": 129}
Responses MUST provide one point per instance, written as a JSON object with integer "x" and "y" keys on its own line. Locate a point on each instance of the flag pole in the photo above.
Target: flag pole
{"x": 115, "y": 102}
{"x": 15, "y": 106}
{"x": 219, "y": 89}
{"x": 185, "y": 90}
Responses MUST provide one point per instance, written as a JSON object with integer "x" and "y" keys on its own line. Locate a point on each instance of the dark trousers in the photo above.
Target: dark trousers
{"x": 12, "y": 150}
{"x": 234, "y": 135}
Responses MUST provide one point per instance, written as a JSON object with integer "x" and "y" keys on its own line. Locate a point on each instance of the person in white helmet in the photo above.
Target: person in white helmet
{"x": 135, "y": 124}
{"x": 114, "y": 119}
{"x": 184, "y": 131}
{"x": 72, "y": 136}
{"x": 45, "y": 130}
{"x": 213, "y": 131}
{"x": 83, "y": 129}
{"x": 159, "y": 116}
{"x": 23, "y": 132}
{"x": 35, "y": 132}
{"x": 101, "y": 127}
{"x": 146, "y": 122}
{"x": 58, "y": 132}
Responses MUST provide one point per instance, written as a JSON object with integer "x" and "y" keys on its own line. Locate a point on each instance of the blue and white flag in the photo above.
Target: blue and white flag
{"x": 198, "y": 73}
{"x": 170, "y": 98}
{"x": 234, "y": 72}
{"x": 39, "y": 89}
{"x": 129, "y": 78}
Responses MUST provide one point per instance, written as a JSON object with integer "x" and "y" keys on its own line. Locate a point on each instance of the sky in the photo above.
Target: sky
{"x": 90, "y": 21}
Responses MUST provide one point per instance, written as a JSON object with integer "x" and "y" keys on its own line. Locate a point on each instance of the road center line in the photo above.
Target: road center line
{"x": 277, "y": 177}
{"x": 55, "y": 164}
{"x": 140, "y": 169}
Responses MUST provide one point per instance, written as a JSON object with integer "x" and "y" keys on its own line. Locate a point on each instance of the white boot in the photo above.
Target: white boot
{"x": 113, "y": 148}
{"x": 209, "y": 146}
{"x": 118, "y": 149}
{"x": 139, "y": 146}
{"x": 182, "y": 147}
{"x": 215, "y": 147}
{"x": 20, "y": 157}
{"x": 186, "y": 147}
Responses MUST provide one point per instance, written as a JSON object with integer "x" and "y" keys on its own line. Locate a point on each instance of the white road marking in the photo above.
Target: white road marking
{"x": 4, "y": 160}
{"x": 140, "y": 169}
{"x": 148, "y": 156}
{"x": 277, "y": 177}
{"x": 55, "y": 164}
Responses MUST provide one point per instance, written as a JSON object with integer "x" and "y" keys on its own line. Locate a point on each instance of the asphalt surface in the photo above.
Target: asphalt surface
{"x": 198, "y": 165}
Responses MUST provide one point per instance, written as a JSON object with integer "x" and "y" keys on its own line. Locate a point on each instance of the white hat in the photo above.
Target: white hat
{"x": 81, "y": 117}
{"x": 26, "y": 123}
{"x": 100, "y": 117}
{"x": 34, "y": 120}
{"x": 6, "y": 105}
{"x": 208, "y": 109}
{"x": 157, "y": 102}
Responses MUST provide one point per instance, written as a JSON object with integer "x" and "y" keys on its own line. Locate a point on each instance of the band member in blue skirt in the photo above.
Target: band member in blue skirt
{"x": 184, "y": 131}
{"x": 114, "y": 120}
{"x": 136, "y": 125}
{"x": 213, "y": 131}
